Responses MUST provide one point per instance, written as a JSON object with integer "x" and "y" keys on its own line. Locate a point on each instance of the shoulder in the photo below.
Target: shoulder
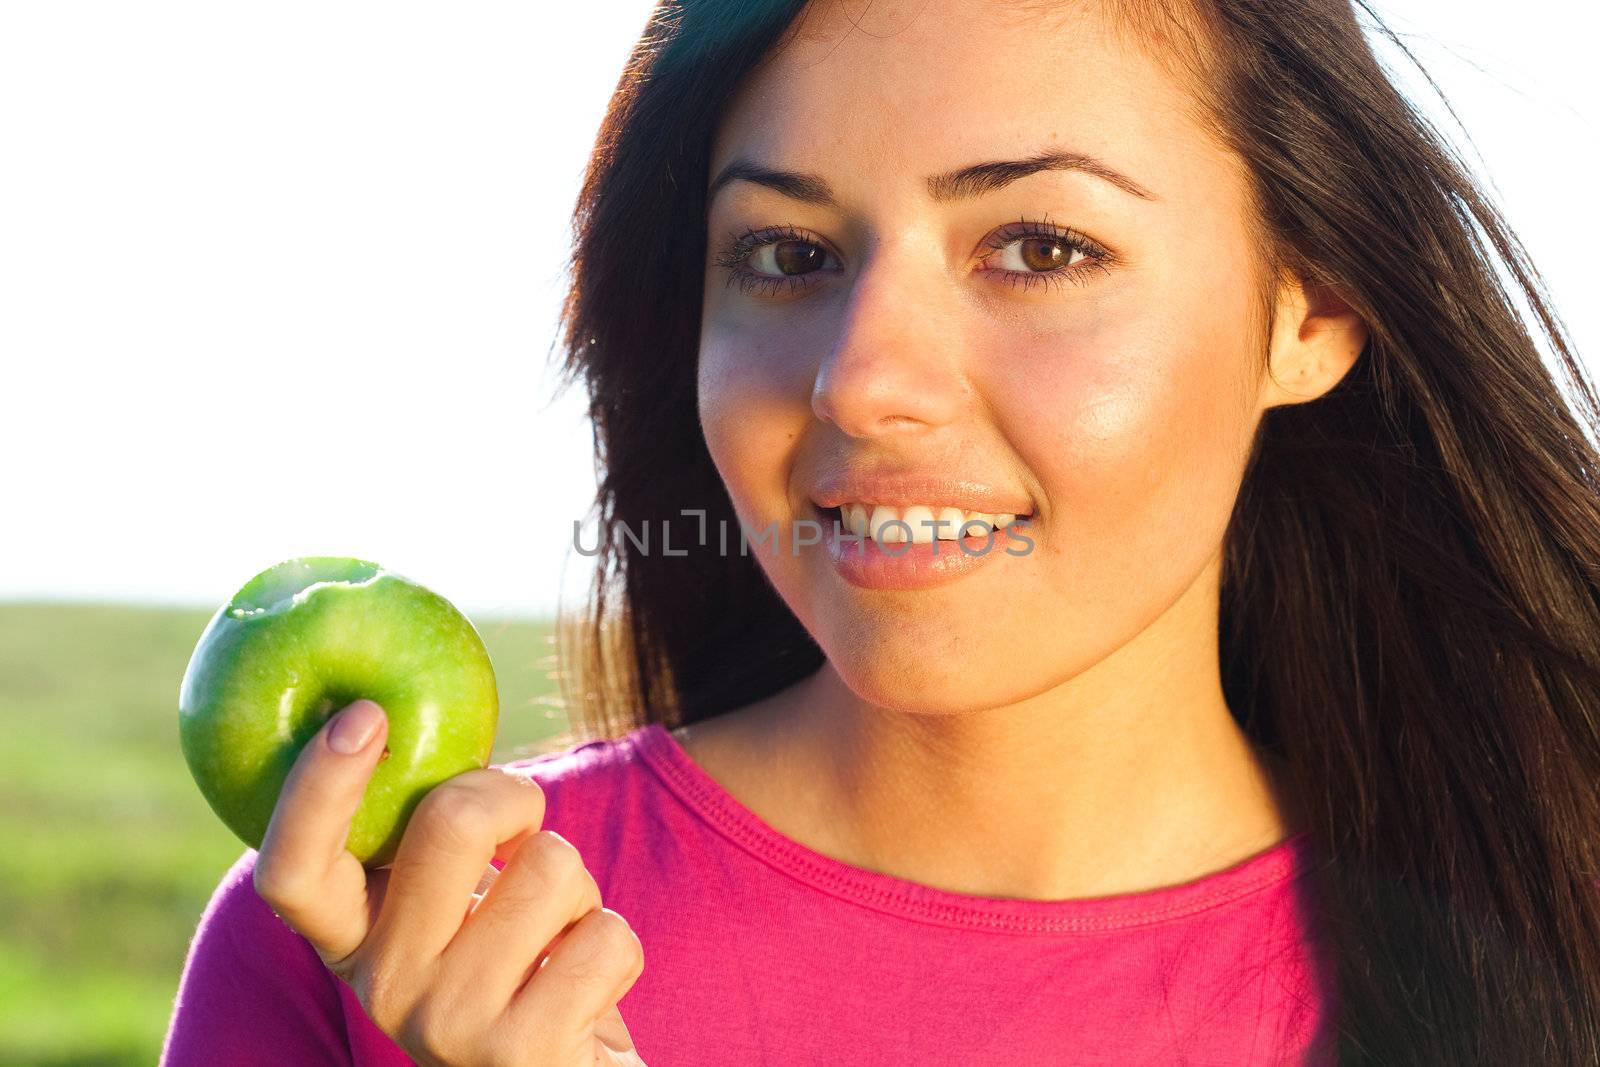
{"x": 589, "y": 772}
{"x": 240, "y": 928}
{"x": 605, "y": 796}
{"x": 250, "y": 980}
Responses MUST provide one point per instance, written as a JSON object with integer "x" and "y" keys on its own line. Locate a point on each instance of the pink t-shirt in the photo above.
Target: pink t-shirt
{"x": 761, "y": 951}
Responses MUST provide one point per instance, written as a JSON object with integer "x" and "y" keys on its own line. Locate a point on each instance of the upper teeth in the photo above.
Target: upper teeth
{"x": 871, "y": 520}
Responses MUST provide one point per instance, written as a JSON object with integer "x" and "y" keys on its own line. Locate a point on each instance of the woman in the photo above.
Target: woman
{"x": 1260, "y": 732}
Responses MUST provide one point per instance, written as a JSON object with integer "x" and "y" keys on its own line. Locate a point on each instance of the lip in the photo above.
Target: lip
{"x": 906, "y": 489}
{"x": 910, "y": 565}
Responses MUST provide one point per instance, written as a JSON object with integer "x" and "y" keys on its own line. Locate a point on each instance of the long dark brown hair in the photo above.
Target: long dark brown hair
{"x": 1409, "y": 606}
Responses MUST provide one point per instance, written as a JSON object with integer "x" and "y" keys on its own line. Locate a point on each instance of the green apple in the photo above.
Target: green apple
{"x": 301, "y": 641}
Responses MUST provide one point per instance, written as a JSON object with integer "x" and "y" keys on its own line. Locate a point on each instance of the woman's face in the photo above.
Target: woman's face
{"x": 946, "y": 331}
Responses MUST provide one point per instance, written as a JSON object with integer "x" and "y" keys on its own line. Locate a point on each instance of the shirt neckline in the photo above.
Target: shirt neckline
{"x": 664, "y": 754}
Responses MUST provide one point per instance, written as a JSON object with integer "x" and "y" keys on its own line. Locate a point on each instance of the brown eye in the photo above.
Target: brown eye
{"x": 1042, "y": 254}
{"x": 794, "y": 257}
{"x": 767, "y": 261}
{"x": 1029, "y": 254}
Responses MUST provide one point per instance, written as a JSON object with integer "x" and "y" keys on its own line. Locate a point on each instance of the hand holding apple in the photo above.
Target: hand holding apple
{"x": 302, "y": 640}
{"x": 528, "y": 968}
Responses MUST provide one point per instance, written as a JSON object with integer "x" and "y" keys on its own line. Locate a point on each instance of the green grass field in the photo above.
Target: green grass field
{"x": 108, "y": 852}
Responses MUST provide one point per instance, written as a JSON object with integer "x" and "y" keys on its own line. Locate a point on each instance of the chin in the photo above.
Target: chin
{"x": 901, "y": 671}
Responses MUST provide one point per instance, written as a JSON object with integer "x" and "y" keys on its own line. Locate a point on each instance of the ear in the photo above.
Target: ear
{"x": 1316, "y": 339}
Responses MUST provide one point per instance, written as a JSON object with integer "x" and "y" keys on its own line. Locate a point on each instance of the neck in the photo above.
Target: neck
{"x": 1130, "y": 776}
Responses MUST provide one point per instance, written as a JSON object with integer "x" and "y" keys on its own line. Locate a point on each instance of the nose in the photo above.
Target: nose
{"x": 895, "y": 366}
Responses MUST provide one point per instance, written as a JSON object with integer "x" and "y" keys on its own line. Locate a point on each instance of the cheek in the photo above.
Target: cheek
{"x": 751, "y": 414}
{"x": 1137, "y": 429}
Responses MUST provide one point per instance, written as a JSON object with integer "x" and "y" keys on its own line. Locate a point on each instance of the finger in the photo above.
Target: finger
{"x": 506, "y": 849}
{"x": 303, "y": 869}
{"x": 484, "y": 882}
{"x": 491, "y": 871}
{"x": 554, "y": 941}
{"x": 587, "y": 972}
{"x": 449, "y": 840}
{"x": 544, "y": 889}
{"x": 612, "y": 1032}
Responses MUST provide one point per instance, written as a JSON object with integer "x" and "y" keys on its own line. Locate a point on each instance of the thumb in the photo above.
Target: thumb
{"x": 304, "y": 869}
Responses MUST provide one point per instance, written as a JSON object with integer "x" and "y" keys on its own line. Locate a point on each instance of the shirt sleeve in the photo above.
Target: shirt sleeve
{"x": 253, "y": 991}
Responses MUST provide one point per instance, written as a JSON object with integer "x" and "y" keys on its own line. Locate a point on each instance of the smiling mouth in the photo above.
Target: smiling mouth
{"x": 883, "y": 523}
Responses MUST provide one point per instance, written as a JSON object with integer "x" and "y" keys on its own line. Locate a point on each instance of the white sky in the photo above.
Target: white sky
{"x": 282, "y": 280}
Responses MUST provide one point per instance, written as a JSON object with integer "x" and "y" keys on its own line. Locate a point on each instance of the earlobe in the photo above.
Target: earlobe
{"x": 1316, "y": 338}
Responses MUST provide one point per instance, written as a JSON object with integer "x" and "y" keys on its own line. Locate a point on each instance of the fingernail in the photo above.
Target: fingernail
{"x": 355, "y": 726}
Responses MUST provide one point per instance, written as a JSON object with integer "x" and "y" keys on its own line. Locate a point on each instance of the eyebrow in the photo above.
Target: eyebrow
{"x": 967, "y": 182}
